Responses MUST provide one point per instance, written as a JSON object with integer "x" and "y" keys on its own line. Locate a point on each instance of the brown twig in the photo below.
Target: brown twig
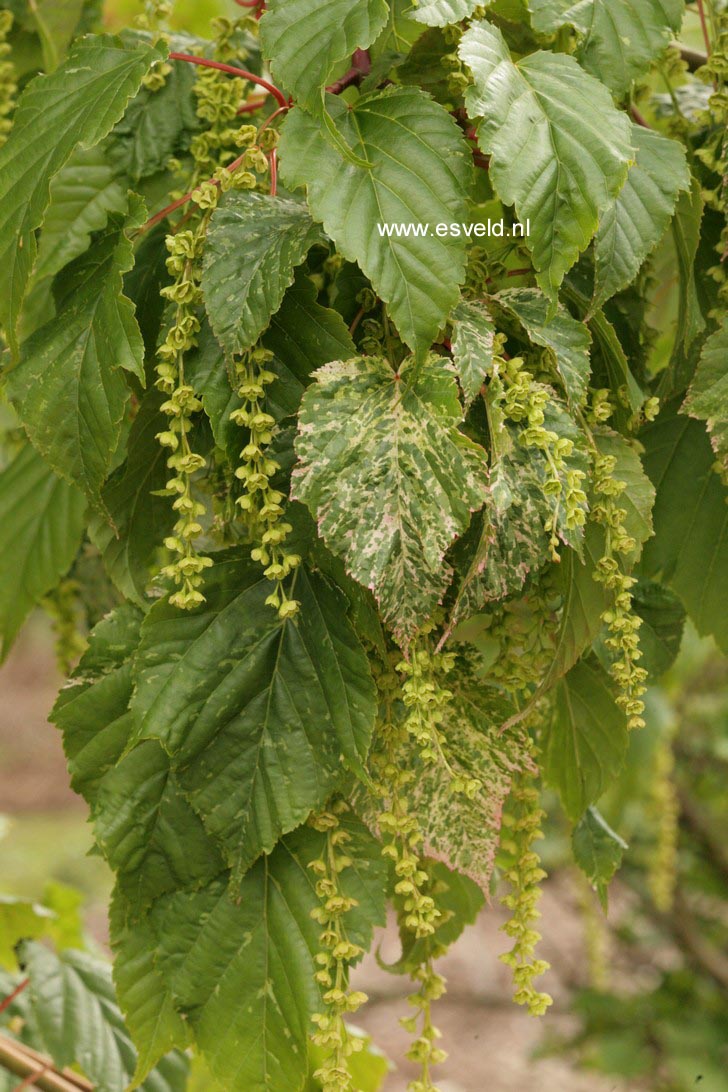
{"x": 32, "y": 1078}
{"x": 361, "y": 66}
{"x": 7, "y": 1001}
{"x": 23, "y": 1061}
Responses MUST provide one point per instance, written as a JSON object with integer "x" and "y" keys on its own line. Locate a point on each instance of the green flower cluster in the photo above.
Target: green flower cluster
{"x": 662, "y": 865}
{"x": 620, "y": 617}
{"x": 184, "y": 253}
{"x": 424, "y": 1050}
{"x": 155, "y": 15}
{"x": 335, "y": 955}
{"x": 418, "y": 912}
{"x": 8, "y": 84}
{"x": 262, "y": 504}
{"x": 62, "y": 606}
{"x": 524, "y": 402}
{"x": 521, "y": 828}
{"x": 427, "y": 702}
{"x": 525, "y": 629}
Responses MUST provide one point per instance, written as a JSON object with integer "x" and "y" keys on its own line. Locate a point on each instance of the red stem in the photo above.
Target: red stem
{"x": 357, "y": 319}
{"x": 183, "y": 200}
{"x": 704, "y": 25}
{"x": 251, "y": 107}
{"x": 233, "y": 71}
{"x": 638, "y": 117}
{"x": 7, "y": 1002}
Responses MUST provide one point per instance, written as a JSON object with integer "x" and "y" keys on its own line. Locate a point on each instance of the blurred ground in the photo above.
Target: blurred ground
{"x": 491, "y": 1042}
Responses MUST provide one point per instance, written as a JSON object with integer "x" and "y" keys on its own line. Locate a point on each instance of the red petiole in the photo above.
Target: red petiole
{"x": 7, "y": 1002}
{"x": 233, "y": 71}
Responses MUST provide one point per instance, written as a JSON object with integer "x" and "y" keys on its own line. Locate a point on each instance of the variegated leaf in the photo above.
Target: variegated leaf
{"x": 390, "y": 478}
{"x": 473, "y": 341}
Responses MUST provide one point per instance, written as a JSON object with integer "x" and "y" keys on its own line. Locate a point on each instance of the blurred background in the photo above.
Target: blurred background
{"x": 640, "y": 993}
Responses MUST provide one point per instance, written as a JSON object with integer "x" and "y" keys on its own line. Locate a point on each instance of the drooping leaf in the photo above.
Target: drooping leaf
{"x": 241, "y": 969}
{"x": 389, "y": 477}
{"x": 463, "y": 832}
{"x": 632, "y": 227}
{"x": 158, "y": 124}
{"x": 425, "y": 183}
{"x": 155, "y": 1025}
{"x": 253, "y": 246}
{"x": 690, "y": 549}
{"x": 638, "y": 498}
{"x": 304, "y": 335}
{"x": 559, "y": 149}
{"x": 473, "y": 339}
{"x": 513, "y": 540}
{"x": 147, "y": 830}
{"x": 41, "y": 526}
{"x": 55, "y": 21}
{"x": 707, "y": 397}
{"x": 68, "y": 384}
{"x": 77, "y": 105}
{"x": 82, "y": 195}
{"x": 620, "y": 39}
{"x": 257, "y": 713}
{"x": 140, "y": 519}
{"x": 663, "y": 621}
{"x": 459, "y": 899}
{"x": 92, "y": 710}
{"x": 566, "y": 339}
{"x": 305, "y": 40}
{"x": 597, "y": 851}
{"x": 586, "y": 742}
{"x": 686, "y": 227}
{"x": 440, "y": 13}
{"x": 73, "y": 1003}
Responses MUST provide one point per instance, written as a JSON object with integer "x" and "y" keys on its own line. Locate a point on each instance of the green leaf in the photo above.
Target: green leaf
{"x": 597, "y": 851}
{"x": 253, "y": 246}
{"x": 639, "y": 497}
{"x": 77, "y": 105}
{"x": 41, "y": 526}
{"x": 420, "y": 173}
{"x": 55, "y": 21}
{"x": 240, "y": 969}
{"x": 632, "y": 227}
{"x": 256, "y": 713}
{"x": 566, "y": 340}
{"x": 690, "y": 549}
{"x": 621, "y": 38}
{"x": 92, "y": 711}
{"x": 304, "y": 335}
{"x": 306, "y": 41}
{"x": 513, "y": 542}
{"x": 74, "y": 1005}
{"x": 68, "y": 384}
{"x": 82, "y": 195}
{"x": 686, "y": 228}
{"x": 140, "y": 519}
{"x": 147, "y": 830}
{"x": 441, "y": 13}
{"x": 473, "y": 340}
{"x": 155, "y": 1025}
{"x": 389, "y": 477}
{"x": 663, "y": 621}
{"x": 20, "y": 919}
{"x": 559, "y": 149}
{"x": 158, "y": 124}
{"x": 368, "y": 1066}
{"x": 707, "y": 398}
{"x": 459, "y": 900}
{"x": 586, "y": 742}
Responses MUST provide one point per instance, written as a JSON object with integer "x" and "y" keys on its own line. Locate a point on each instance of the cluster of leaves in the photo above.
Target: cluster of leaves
{"x": 456, "y": 437}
